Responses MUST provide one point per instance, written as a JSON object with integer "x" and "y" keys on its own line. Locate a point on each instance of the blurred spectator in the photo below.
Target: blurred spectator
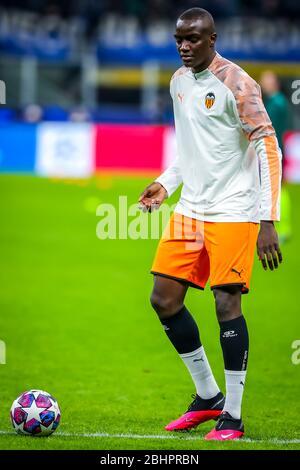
{"x": 32, "y": 113}
{"x": 277, "y": 107}
{"x": 80, "y": 114}
{"x": 276, "y": 103}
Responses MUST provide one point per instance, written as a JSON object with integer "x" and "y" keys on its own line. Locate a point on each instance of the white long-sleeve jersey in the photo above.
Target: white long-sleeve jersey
{"x": 228, "y": 156}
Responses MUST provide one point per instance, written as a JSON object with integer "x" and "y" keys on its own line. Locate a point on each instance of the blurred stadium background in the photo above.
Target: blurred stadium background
{"x": 88, "y": 110}
{"x": 109, "y": 61}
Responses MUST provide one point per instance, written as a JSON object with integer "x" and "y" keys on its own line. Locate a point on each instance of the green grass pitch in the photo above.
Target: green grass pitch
{"x": 76, "y": 320}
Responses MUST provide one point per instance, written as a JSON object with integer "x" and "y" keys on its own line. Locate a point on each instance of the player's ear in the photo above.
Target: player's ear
{"x": 212, "y": 39}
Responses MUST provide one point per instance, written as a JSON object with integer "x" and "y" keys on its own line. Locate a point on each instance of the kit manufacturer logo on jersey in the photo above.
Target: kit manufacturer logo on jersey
{"x": 209, "y": 99}
{"x": 180, "y": 97}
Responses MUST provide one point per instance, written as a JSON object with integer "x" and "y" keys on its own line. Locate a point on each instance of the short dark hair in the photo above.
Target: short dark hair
{"x": 195, "y": 13}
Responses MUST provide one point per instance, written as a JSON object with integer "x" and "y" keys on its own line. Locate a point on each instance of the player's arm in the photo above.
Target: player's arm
{"x": 269, "y": 155}
{"x": 164, "y": 186}
{"x": 259, "y": 130}
{"x": 268, "y": 249}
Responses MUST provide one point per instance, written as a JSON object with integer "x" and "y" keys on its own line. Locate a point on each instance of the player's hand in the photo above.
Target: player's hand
{"x": 152, "y": 197}
{"x": 268, "y": 249}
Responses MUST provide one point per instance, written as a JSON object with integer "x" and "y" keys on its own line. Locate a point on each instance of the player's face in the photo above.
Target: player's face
{"x": 194, "y": 43}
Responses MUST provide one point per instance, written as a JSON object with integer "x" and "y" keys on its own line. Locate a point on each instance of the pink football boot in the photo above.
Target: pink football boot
{"x": 227, "y": 428}
{"x": 199, "y": 411}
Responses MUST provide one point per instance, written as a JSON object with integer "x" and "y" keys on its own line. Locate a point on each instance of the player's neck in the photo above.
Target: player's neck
{"x": 205, "y": 64}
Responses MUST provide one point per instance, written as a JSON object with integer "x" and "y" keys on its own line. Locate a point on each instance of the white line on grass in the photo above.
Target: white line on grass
{"x": 182, "y": 437}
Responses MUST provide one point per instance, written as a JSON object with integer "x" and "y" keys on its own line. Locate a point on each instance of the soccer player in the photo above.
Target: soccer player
{"x": 228, "y": 205}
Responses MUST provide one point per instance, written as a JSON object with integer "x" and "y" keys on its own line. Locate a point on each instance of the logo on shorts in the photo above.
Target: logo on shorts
{"x": 237, "y": 272}
{"x": 209, "y": 99}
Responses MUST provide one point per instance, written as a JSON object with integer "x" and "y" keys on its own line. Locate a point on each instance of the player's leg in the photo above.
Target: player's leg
{"x": 235, "y": 345}
{"x": 167, "y": 300}
{"x": 167, "y": 297}
{"x": 231, "y": 248}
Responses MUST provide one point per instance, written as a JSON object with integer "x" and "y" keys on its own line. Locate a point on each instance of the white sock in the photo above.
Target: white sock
{"x": 199, "y": 368}
{"x": 235, "y": 381}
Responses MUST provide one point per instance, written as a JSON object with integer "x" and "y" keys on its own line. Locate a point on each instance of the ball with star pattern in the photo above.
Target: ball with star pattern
{"x": 35, "y": 413}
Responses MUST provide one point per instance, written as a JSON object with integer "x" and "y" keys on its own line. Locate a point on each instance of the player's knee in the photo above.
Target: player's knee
{"x": 223, "y": 310}
{"x": 228, "y": 305}
{"x": 164, "y": 306}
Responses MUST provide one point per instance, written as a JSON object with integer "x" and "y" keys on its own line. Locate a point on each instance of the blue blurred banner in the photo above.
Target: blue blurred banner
{"x": 166, "y": 54}
{"x": 17, "y": 147}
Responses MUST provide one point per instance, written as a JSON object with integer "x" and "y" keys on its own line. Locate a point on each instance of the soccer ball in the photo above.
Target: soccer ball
{"x": 35, "y": 413}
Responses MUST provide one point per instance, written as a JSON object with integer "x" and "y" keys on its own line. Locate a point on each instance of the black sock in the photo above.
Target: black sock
{"x": 182, "y": 331}
{"x": 235, "y": 343}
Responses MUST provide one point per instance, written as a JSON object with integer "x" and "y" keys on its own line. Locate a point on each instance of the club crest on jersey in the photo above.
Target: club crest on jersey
{"x": 209, "y": 99}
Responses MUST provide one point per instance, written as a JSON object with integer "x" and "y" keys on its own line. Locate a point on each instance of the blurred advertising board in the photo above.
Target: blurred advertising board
{"x": 292, "y": 157}
{"x": 65, "y": 150}
{"x": 129, "y": 147}
{"x": 17, "y": 148}
{"x": 77, "y": 150}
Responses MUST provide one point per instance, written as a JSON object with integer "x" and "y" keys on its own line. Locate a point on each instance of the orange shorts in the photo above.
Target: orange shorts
{"x": 194, "y": 251}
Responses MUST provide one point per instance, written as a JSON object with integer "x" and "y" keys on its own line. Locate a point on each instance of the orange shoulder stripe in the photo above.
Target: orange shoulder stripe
{"x": 274, "y": 171}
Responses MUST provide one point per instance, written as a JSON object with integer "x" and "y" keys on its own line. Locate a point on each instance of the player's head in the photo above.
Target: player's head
{"x": 269, "y": 83}
{"x": 195, "y": 38}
